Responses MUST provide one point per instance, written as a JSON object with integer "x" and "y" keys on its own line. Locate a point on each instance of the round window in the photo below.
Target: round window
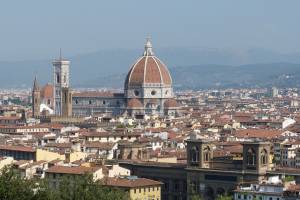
{"x": 136, "y": 93}
{"x": 153, "y": 92}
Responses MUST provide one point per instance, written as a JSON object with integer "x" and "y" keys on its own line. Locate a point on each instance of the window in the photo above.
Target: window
{"x": 206, "y": 154}
{"x": 57, "y": 78}
{"x": 251, "y": 157}
{"x": 264, "y": 157}
{"x": 194, "y": 152}
{"x": 153, "y": 92}
{"x": 136, "y": 92}
{"x": 90, "y": 102}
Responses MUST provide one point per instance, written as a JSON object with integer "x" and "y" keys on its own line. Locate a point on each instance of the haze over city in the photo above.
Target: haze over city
{"x": 33, "y": 30}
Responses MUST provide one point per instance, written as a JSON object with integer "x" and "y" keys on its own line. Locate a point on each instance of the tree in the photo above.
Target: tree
{"x": 224, "y": 197}
{"x": 196, "y": 197}
{"x": 12, "y": 186}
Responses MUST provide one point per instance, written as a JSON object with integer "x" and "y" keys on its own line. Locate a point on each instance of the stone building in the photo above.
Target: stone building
{"x": 147, "y": 91}
{"x": 205, "y": 175}
{"x": 61, "y": 88}
{"x": 36, "y": 98}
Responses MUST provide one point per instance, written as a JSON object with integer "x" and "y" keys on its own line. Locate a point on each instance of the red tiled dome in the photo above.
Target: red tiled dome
{"x": 134, "y": 103}
{"x": 148, "y": 70}
{"x": 170, "y": 103}
{"x": 47, "y": 91}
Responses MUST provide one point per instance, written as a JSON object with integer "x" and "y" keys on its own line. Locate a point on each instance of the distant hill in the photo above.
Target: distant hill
{"x": 204, "y": 67}
{"x": 220, "y": 76}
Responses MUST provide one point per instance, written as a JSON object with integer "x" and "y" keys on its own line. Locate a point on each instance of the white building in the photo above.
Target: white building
{"x": 272, "y": 189}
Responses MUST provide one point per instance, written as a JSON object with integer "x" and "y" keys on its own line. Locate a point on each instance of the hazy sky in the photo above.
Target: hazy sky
{"x": 36, "y": 29}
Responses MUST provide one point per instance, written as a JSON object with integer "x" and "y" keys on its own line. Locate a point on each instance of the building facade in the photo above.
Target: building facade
{"x": 61, "y": 88}
{"x": 147, "y": 91}
{"x": 36, "y": 98}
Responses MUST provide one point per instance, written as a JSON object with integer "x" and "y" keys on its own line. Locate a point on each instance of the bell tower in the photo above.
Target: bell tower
{"x": 36, "y": 98}
{"x": 199, "y": 153}
{"x": 256, "y": 156}
{"x": 61, "y": 78}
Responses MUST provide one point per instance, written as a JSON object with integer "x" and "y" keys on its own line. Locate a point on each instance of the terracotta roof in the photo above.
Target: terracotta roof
{"x": 100, "y": 145}
{"x": 106, "y": 134}
{"x": 170, "y": 103}
{"x": 17, "y": 148}
{"x": 9, "y": 118}
{"x": 258, "y": 133}
{"x": 293, "y": 188}
{"x": 59, "y": 145}
{"x": 134, "y": 103}
{"x": 47, "y": 91}
{"x": 71, "y": 170}
{"x": 131, "y": 182}
{"x": 148, "y": 69}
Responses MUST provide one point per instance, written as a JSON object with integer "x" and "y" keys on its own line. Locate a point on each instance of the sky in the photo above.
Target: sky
{"x": 36, "y": 29}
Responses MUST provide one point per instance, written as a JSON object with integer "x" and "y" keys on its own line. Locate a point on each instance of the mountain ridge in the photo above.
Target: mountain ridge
{"x": 112, "y": 65}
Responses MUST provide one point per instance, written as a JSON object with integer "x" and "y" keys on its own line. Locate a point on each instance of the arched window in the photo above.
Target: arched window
{"x": 206, "y": 153}
{"x": 194, "y": 152}
{"x": 57, "y": 78}
{"x": 251, "y": 157}
{"x": 264, "y": 157}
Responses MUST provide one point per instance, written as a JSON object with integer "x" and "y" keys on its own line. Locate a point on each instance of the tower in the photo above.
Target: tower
{"x": 199, "y": 153}
{"x": 256, "y": 156}
{"x": 66, "y": 102}
{"x": 274, "y": 92}
{"x": 61, "y": 78}
{"x": 36, "y": 98}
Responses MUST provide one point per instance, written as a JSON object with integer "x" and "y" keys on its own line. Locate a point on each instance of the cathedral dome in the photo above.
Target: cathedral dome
{"x": 134, "y": 103}
{"x": 47, "y": 91}
{"x": 170, "y": 103}
{"x": 148, "y": 70}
